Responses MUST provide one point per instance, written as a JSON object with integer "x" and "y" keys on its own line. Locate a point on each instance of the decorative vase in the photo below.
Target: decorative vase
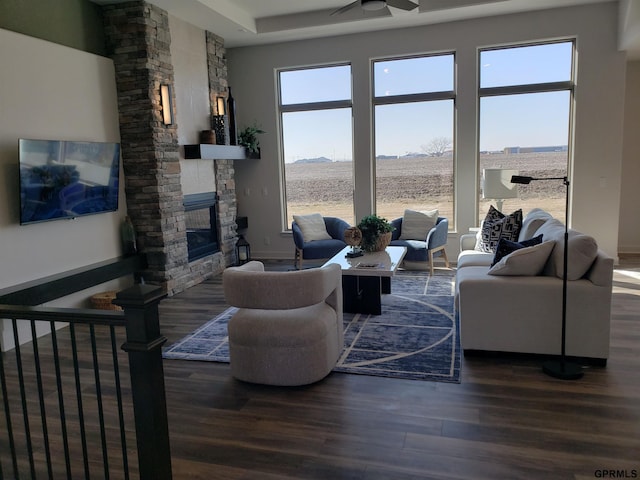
{"x": 231, "y": 112}
{"x": 382, "y": 242}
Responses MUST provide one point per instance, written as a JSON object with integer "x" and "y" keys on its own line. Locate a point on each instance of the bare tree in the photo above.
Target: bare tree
{"x": 437, "y": 146}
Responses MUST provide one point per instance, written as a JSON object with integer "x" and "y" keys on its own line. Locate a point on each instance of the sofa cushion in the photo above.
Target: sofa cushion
{"x": 497, "y": 225}
{"x": 472, "y": 258}
{"x": 527, "y": 261}
{"x": 532, "y": 221}
{"x": 505, "y": 247}
{"x": 416, "y": 224}
{"x": 312, "y": 227}
{"x": 583, "y": 250}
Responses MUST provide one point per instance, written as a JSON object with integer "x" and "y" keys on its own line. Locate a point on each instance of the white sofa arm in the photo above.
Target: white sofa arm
{"x": 467, "y": 241}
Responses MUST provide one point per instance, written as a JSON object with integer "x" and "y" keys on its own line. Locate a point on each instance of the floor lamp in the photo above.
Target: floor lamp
{"x": 562, "y": 368}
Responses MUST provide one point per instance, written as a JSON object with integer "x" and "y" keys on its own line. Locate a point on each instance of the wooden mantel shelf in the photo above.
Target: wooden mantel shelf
{"x": 216, "y": 152}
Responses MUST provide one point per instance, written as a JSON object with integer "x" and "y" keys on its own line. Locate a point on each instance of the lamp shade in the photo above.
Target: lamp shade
{"x": 496, "y": 183}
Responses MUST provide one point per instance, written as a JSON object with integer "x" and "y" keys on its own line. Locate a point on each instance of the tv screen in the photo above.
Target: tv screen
{"x": 60, "y": 179}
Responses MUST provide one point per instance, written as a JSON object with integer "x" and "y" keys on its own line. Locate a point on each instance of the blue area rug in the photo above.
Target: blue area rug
{"x": 416, "y": 337}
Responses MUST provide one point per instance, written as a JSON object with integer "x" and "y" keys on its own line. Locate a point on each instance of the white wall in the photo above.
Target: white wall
{"x": 630, "y": 194}
{"x": 48, "y": 91}
{"x": 193, "y": 113}
{"x": 598, "y": 123}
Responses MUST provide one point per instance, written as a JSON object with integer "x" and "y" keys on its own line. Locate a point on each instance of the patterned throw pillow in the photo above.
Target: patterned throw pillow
{"x": 497, "y": 225}
{"x": 506, "y": 247}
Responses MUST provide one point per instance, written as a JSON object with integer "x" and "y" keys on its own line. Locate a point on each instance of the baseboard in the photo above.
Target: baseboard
{"x": 590, "y": 361}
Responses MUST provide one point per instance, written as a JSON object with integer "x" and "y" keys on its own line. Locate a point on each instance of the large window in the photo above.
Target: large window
{"x": 414, "y": 124}
{"x": 525, "y": 110}
{"x": 317, "y": 141}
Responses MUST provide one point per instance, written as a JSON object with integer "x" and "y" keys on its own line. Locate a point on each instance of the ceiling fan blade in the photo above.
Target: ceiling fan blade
{"x": 346, "y": 8}
{"x": 402, "y": 4}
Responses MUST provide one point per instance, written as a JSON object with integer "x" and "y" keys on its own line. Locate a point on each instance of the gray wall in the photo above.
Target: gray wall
{"x": 597, "y": 159}
{"x": 74, "y": 23}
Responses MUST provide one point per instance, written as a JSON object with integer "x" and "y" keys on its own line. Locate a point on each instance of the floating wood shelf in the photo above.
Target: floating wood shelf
{"x": 216, "y": 152}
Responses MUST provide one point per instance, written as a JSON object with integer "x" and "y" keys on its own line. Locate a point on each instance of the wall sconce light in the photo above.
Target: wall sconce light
{"x": 221, "y": 122}
{"x": 167, "y": 107}
{"x": 220, "y": 105}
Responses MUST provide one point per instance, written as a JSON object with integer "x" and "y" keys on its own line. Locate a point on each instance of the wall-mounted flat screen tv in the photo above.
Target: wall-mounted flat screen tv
{"x": 60, "y": 179}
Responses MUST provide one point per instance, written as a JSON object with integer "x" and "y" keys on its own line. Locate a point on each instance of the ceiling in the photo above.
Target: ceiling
{"x": 254, "y": 22}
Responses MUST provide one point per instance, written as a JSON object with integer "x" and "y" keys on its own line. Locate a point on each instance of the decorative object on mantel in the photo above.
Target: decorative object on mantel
{"x": 208, "y": 137}
{"x": 248, "y": 137}
{"x": 376, "y": 233}
{"x": 243, "y": 251}
{"x": 231, "y": 112}
{"x": 353, "y": 237}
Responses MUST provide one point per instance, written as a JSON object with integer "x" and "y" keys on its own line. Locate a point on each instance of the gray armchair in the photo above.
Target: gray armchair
{"x": 319, "y": 249}
{"x": 424, "y": 250}
{"x": 288, "y": 328}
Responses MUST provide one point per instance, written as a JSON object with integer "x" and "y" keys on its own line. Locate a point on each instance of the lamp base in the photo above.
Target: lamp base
{"x": 562, "y": 369}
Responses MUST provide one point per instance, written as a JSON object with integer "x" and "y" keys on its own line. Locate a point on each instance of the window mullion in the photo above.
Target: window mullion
{"x": 414, "y": 97}
{"x": 531, "y": 88}
{"x": 302, "y": 107}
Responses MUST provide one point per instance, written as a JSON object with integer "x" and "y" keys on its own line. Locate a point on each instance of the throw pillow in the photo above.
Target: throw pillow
{"x": 531, "y": 222}
{"x": 312, "y": 227}
{"x": 416, "y": 225}
{"x": 497, "y": 225}
{"x": 505, "y": 247}
{"x": 528, "y": 261}
{"x": 583, "y": 250}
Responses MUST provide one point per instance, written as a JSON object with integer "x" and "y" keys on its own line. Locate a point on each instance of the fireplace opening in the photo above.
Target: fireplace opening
{"x": 201, "y": 223}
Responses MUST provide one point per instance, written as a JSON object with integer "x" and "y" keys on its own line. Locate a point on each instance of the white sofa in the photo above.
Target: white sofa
{"x": 523, "y": 313}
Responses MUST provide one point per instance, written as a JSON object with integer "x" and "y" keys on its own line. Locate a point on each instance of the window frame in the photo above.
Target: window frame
{"x": 529, "y": 88}
{"x": 414, "y": 98}
{"x": 306, "y": 107}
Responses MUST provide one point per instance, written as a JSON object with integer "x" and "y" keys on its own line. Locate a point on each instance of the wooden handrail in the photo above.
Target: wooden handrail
{"x": 42, "y": 290}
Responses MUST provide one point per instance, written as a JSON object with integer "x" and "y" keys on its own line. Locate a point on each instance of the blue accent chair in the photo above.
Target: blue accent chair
{"x": 424, "y": 250}
{"x": 318, "y": 249}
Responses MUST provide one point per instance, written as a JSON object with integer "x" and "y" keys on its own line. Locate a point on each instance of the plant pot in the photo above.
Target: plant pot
{"x": 382, "y": 242}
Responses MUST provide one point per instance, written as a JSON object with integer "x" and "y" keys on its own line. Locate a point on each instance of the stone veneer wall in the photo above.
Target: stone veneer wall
{"x": 138, "y": 41}
{"x": 224, "y": 172}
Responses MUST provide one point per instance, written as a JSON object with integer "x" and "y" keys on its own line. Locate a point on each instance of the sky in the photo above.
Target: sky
{"x": 524, "y": 120}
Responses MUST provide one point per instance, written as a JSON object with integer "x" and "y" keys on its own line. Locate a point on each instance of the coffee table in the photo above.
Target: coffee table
{"x": 366, "y": 278}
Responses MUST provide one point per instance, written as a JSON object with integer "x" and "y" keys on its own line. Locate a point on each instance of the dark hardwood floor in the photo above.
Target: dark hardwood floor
{"x": 505, "y": 420}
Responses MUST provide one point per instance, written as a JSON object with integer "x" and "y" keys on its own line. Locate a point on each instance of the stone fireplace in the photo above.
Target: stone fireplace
{"x": 138, "y": 41}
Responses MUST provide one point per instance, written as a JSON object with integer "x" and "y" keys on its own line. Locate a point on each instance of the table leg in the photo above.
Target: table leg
{"x": 362, "y": 294}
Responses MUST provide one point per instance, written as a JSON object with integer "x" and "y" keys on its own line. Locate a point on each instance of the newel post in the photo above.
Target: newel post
{"x": 144, "y": 346}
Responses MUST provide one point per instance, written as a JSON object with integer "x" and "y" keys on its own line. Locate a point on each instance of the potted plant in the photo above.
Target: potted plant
{"x": 376, "y": 233}
{"x": 248, "y": 137}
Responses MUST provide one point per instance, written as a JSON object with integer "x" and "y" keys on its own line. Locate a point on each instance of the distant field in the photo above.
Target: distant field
{"x": 426, "y": 184}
